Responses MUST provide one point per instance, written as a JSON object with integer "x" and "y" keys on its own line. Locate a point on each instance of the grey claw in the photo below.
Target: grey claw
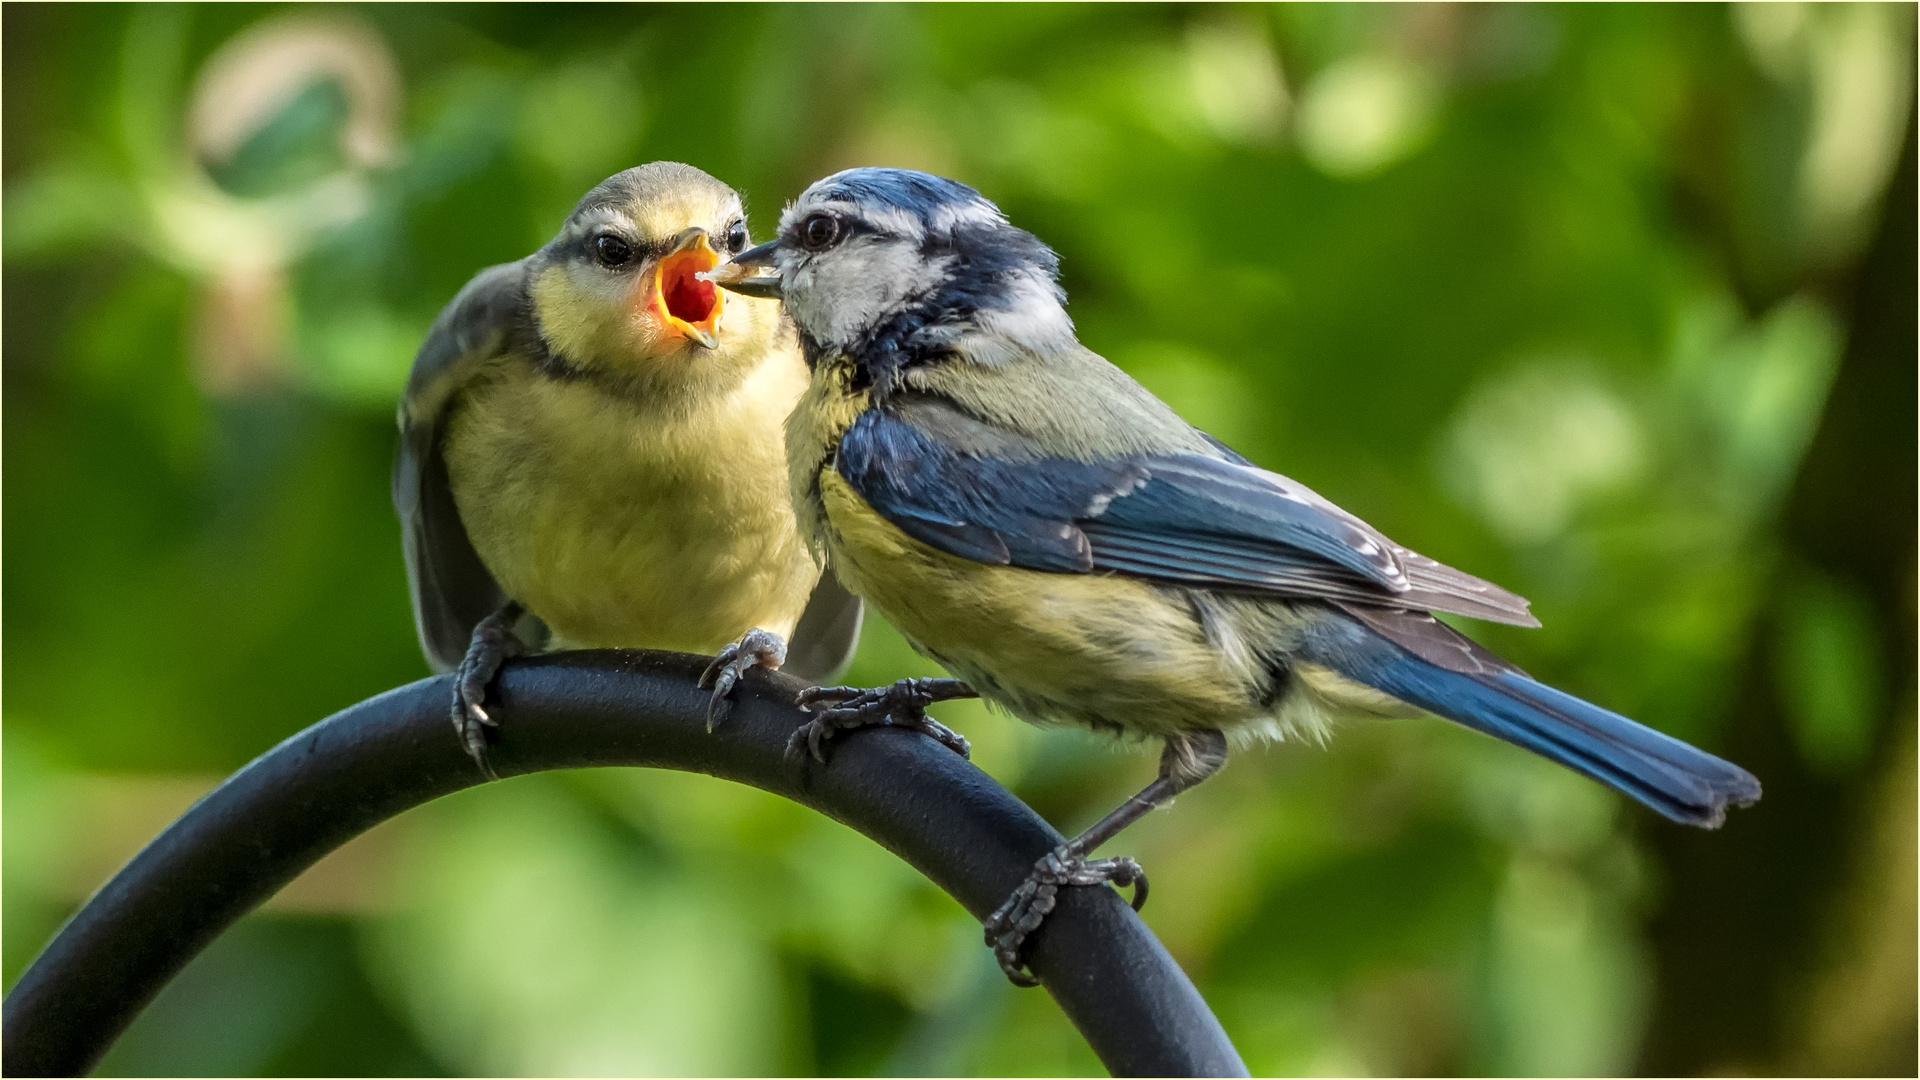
{"x": 721, "y": 675}
{"x": 1139, "y": 885}
{"x": 1008, "y": 928}
{"x": 757, "y": 648}
{"x": 492, "y": 646}
{"x": 798, "y": 743}
{"x": 473, "y": 737}
{"x": 720, "y": 661}
{"x": 470, "y": 722}
{"x": 902, "y": 704}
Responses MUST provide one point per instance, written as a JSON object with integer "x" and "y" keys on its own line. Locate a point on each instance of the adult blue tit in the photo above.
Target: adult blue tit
{"x": 591, "y": 456}
{"x": 1074, "y": 552}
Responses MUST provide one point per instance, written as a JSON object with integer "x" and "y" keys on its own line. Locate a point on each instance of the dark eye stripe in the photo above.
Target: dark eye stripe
{"x": 851, "y": 228}
{"x": 584, "y": 247}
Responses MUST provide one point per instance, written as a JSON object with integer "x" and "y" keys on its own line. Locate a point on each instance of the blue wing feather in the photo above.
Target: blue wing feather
{"x": 985, "y": 509}
{"x": 1192, "y": 496}
{"x": 1179, "y": 518}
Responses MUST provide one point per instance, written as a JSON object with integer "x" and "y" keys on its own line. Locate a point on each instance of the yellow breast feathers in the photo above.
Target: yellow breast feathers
{"x": 827, "y": 409}
{"x": 624, "y": 526}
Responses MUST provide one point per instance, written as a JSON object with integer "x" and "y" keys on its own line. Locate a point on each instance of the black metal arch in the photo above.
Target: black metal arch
{"x": 346, "y": 774}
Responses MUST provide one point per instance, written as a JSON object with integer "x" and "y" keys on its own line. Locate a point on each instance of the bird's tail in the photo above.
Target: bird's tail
{"x": 1681, "y": 782}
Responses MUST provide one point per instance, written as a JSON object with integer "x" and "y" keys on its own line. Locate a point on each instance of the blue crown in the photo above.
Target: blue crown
{"x": 917, "y": 193}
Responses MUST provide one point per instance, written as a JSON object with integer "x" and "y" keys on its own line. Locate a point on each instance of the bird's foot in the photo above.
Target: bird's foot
{"x": 493, "y": 644}
{"x": 1023, "y": 912}
{"x": 903, "y": 704}
{"x": 757, "y": 649}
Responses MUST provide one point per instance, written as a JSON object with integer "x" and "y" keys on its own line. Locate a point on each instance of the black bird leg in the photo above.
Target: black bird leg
{"x": 1189, "y": 758}
{"x": 493, "y": 644}
{"x": 757, "y": 648}
{"x": 903, "y": 704}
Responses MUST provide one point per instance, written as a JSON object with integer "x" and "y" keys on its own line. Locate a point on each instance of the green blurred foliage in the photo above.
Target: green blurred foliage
{"x": 1544, "y": 292}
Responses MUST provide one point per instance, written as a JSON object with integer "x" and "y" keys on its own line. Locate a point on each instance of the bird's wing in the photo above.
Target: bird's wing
{"x": 452, "y": 589}
{"x": 827, "y": 634}
{"x": 982, "y": 493}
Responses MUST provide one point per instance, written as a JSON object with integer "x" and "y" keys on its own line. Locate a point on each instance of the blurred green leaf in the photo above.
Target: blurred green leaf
{"x": 1830, "y": 672}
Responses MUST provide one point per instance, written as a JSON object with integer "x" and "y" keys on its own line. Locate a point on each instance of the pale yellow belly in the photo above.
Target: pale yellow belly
{"x": 653, "y": 574}
{"x": 1095, "y": 650}
{"x": 622, "y": 533}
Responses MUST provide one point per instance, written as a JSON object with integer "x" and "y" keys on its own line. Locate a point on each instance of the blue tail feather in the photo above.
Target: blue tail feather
{"x": 1681, "y": 782}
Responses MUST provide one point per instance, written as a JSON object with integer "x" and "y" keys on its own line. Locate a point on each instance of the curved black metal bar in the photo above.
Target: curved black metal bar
{"x": 333, "y": 781}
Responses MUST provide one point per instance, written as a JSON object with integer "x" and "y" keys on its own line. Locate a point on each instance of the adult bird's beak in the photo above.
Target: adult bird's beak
{"x": 750, "y": 273}
{"x": 682, "y": 297}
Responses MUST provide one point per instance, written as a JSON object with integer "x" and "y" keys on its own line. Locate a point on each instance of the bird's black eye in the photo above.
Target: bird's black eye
{"x": 820, "y": 231}
{"x": 612, "y": 251}
{"x": 737, "y": 237}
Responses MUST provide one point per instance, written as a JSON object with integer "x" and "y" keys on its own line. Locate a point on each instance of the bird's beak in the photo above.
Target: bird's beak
{"x": 682, "y": 297}
{"x": 750, "y": 273}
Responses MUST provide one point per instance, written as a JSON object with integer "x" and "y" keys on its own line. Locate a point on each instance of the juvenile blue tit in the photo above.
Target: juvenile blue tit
{"x": 1070, "y": 548}
{"x": 591, "y": 455}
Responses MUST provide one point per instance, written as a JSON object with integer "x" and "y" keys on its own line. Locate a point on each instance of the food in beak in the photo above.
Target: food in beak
{"x": 689, "y": 303}
{"x": 750, "y": 280}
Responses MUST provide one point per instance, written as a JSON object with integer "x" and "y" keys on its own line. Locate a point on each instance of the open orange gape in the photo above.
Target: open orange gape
{"x": 685, "y": 302}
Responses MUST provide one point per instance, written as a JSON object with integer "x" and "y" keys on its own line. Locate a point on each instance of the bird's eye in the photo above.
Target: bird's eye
{"x": 736, "y": 237}
{"x": 820, "y": 231}
{"x": 612, "y": 251}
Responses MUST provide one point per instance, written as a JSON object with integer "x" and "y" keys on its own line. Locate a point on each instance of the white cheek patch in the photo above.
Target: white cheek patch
{"x": 836, "y": 295}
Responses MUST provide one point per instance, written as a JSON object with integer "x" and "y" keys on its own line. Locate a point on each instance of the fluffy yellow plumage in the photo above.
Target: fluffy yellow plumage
{"x": 593, "y": 435}
{"x": 636, "y": 523}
